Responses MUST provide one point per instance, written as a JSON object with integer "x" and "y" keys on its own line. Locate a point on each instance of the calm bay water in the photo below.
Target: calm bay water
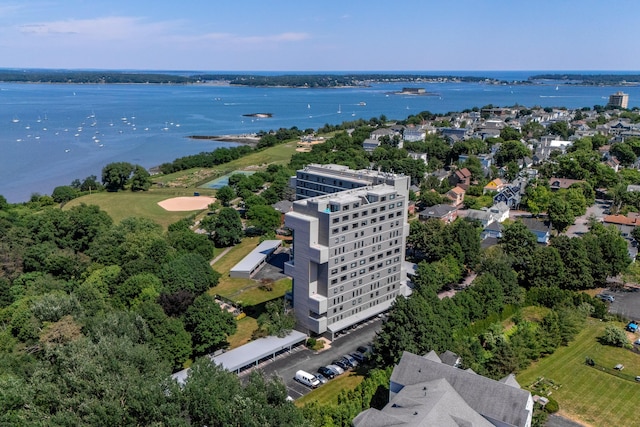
{"x": 52, "y": 134}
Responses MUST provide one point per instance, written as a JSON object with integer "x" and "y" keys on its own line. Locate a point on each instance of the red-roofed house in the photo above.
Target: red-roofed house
{"x": 456, "y": 195}
{"x": 461, "y": 178}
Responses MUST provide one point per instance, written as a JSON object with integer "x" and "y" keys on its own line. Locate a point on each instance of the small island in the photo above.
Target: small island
{"x": 259, "y": 115}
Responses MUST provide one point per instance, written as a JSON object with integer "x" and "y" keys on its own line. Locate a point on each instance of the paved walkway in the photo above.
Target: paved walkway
{"x": 223, "y": 253}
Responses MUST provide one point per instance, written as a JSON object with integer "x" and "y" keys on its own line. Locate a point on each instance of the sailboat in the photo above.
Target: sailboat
{"x": 557, "y": 87}
{"x": 308, "y": 106}
{"x": 15, "y": 120}
{"x": 339, "y": 109}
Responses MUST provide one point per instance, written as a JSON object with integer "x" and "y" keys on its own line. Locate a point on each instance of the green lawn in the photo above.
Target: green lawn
{"x": 327, "y": 394}
{"x": 124, "y": 204}
{"x": 587, "y": 394}
{"x": 246, "y": 326}
{"x": 280, "y": 154}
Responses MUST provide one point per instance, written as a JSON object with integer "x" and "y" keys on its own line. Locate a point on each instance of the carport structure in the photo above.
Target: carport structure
{"x": 251, "y": 354}
{"x": 257, "y": 351}
{"x": 251, "y": 263}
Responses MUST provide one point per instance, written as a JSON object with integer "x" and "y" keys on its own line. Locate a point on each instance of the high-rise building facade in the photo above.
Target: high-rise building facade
{"x": 619, "y": 99}
{"x": 347, "y": 261}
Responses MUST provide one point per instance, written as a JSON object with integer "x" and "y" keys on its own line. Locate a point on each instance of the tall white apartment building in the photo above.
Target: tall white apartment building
{"x": 347, "y": 261}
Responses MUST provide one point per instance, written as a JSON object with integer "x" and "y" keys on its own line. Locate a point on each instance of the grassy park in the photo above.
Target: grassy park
{"x": 585, "y": 393}
{"x": 279, "y": 154}
{"x": 124, "y": 204}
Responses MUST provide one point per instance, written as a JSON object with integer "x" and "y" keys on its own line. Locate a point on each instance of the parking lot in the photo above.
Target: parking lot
{"x": 626, "y": 304}
{"x": 286, "y": 365}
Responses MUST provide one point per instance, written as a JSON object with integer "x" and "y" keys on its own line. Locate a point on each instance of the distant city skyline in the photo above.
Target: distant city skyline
{"x": 409, "y": 35}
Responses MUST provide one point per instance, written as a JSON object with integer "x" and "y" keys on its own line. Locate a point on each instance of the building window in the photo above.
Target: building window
{"x": 335, "y": 230}
{"x": 345, "y": 208}
{"x": 355, "y": 215}
{"x": 335, "y": 221}
{"x": 334, "y": 271}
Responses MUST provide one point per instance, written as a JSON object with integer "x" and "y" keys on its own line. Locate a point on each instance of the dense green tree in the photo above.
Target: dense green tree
{"x": 140, "y": 179}
{"x": 624, "y": 153}
{"x": 209, "y": 325}
{"x": 520, "y": 244}
{"x": 546, "y": 268}
{"x": 537, "y": 198}
{"x": 188, "y": 272}
{"x": 431, "y": 198}
{"x": 264, "y": 218}
{"x": 577, "y": 266}
{"x": 560, "y": 128}
{"x": 116, "y": 175}
{"x": 560, "y": 213}
{"x": 511, "y": 151}
{"x": 225, "y": 194}
{"x": 275, "y": 320}
{"x": 227, "y": 228}
{"x": 169, "y": 336}
{"x": 64, "y": 193}
{"x": 510, "y": 134}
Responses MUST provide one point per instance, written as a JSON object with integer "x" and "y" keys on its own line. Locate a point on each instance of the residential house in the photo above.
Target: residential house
{"x": 613, "y": 163}
{"x": 414, "y": 133}
{"x": 482, "y": 216}
{"x": 539, "y": 227}
{"x": 494, "y": 230}
{"x": 445, "y": 213}
{"x": 461, "y": 178}
{"x": 624, "y": 223}
{"x": 486, "y": 216}
{"x": 485, "y": 161}
{"x": 562, "y": 183}
{"x": 419, "y": 156}
{"x": 494, "y": 186}
{"x": 424, "y": 391}
{"x": 509, "y": 195}
{"x": 455, "y": 134}
{"x": 456, "y": 195}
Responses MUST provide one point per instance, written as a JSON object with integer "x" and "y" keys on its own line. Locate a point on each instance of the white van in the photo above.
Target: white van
{"x": 307, "y": 379}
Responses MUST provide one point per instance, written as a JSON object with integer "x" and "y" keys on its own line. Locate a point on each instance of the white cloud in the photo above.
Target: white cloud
{"x": 106, "y": 28}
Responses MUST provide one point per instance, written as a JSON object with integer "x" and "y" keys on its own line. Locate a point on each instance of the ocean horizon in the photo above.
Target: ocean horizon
{"x": 54, "y": 133}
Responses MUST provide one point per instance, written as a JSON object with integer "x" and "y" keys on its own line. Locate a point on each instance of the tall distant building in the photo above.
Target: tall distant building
{"x": 347, "y": 262}
{"x": 619, "y": 99}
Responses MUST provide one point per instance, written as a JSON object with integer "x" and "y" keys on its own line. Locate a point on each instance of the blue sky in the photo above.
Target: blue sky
{"x": 327, "y": 35}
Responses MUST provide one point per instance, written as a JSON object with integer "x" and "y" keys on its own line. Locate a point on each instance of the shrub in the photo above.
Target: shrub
{"x": 311, "y": 343}
{"x": 615, "y": 336}
{"x": 552, "y": 407}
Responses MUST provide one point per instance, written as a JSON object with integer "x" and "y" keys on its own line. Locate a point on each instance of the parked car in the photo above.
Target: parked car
{"x": 328, "y": 373}
{"x": 307, "y": 379}
{"x": 619, "y": 367}
{"x": 606, "y": 297}
{"x": 337, "y": 370}
{"x": 322, "y": 378}
{"x": 341, "y": 363}
{"x": 350, "y": 360}
{"x": 638, "y": 378}
{"x": 358, "y": 356}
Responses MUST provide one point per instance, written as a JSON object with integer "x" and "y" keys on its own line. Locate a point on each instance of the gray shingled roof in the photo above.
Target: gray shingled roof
{"x": 490, "y": 398}
{"x": 432, "y": 403}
